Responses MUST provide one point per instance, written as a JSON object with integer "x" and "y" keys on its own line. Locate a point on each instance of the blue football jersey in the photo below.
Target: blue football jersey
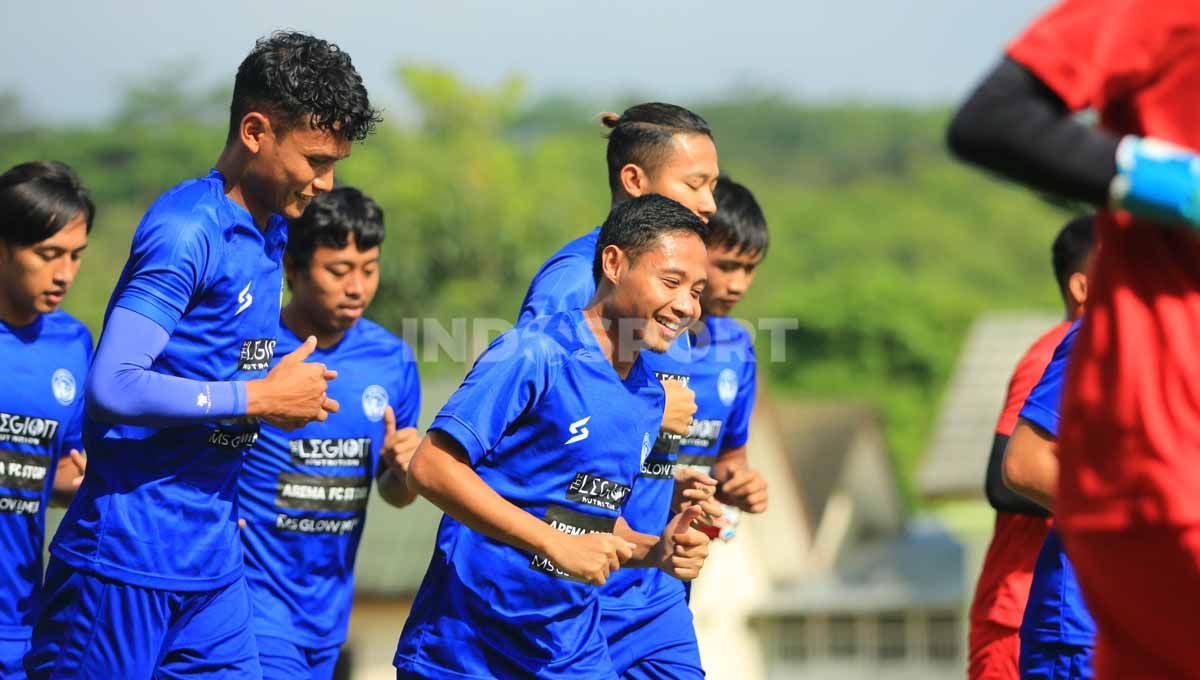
{"x": 158, "y": 506}
{"x": 723, "y": 376}
{"x": 304, "y": 493}
{"x": 564, "y": 282}
{"x": 1056, "y": 611}
{"x": 41, "y": 420}
{"x": 545, "y": 421}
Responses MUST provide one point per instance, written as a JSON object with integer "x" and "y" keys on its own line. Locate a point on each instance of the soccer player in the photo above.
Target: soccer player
{"x": 1021, "y": 525}
{"x": 653, "y": 148}
{"x": 304, "y": 494}
{"x": 45, "y": 218}
{"x": 1128, "y": 504}
{"x": 1057, "y": 632}
{"x": 533, "y": 460}
{"x": 145, "y": 576}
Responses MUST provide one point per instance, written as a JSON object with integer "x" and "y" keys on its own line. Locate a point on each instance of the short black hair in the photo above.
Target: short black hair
{"x": 292, "y": 77}
{"x": 642, "y": 135}
{"x": 635, "y": 226}
{"x": 330, "y": 220}
{"x": 38, "y": 199}
{"x": 739, "y": 222}
{"x": 1071, "y": 248}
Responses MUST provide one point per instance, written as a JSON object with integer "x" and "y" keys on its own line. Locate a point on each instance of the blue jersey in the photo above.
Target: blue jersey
{"x": 723, "y": 376}
{"x": 158, "y": 506}
{"x": 304, "y": 493}
{"x": 548, "y": 424}
{"x": 41, "y": 418}
{"x": 564, "y": 282}
{"x": 1056, "y": 611}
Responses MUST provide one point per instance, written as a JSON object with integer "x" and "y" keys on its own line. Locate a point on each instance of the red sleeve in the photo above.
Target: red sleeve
{"x": 1094, "y": 52}
{"x": 1026, "y": 375}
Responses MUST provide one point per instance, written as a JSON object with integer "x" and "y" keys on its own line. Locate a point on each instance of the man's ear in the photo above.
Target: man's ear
{"x": 613, "y": 263}
{"x": 1077, "y": 287}
{"x": 634, "y": 180}
{"x": 253, "y": 130}
{"x": 291, "y": 269}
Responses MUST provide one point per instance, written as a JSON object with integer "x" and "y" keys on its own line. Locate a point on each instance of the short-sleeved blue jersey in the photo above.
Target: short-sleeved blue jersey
{"x": 304, "y": 493}
{"x": 724, "y": 378}
{"x": 158, "y": 506}
{"x": 1056, "y": 612}
{"x": 564, "y": 282}
{"x": 41, "y": 420}
{"x": 547, "y": 422}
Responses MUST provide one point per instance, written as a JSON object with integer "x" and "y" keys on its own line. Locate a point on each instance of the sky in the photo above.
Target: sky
{"x": 70, "y": 60}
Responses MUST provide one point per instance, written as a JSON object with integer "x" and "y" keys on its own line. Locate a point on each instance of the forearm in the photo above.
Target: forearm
{"x": 394, "y": 489}
{"x": 451, "y": 484}
{"x": 1014, "y": 125}
{"x": 730, "y": 461}
{"x": 122, "y": 388}
{"x": 643, "y": 544}
{"x": 1031, "y": 465}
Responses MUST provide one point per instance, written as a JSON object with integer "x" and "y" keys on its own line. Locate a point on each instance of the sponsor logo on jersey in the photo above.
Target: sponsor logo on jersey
{"x": 569, "y": 522}
{"x": 703, "y": 433}
{"x": 25, "y": 471}
{"x": 696, "y": 462}
{"x": 658, "y": 468}
{"x": 727, "y": 386}
{"x": 15, "y": 505}
{"x": 245, "y": 299}
{"x": 232, "y": 439}
{"x": 316, "y": 525}
{"x": 374, "y": 401}
{"x": 668, "y": 442}
{"x": 348, "y": 452}
{"x": 578, "y": 430}
{"x": 31, "y": 430}
{"x": 256, "y": 354}
{"x": 597, "y": 491}
{"x": 321, "y": 492}
{"x": 62, "y": 384}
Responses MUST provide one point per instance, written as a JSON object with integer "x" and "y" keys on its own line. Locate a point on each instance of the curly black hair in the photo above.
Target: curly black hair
{"x": 332, "y": 218}
{"x": 294, "y": 76}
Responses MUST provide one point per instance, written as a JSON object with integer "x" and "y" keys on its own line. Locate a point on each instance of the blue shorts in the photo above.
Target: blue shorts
{"x": 1054, "y": 661}
{"x": 285, "y": 660}
{"x": 653, "y": 643}
{"x": 11, "y": 653}
{"x": 94, "y": 627}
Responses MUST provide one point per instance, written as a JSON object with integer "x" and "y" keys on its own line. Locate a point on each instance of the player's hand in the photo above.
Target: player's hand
{"x": 695, "y": 487}
{"x": 293, "y": 393}
{"x": 745, "y": 488}
{"x": 398, "y": 445}
{"x": 679, "y": 408}
{"x": 68, "y": 477}
{"x": 683, "y": 548}
{"x": 590, "y": 557}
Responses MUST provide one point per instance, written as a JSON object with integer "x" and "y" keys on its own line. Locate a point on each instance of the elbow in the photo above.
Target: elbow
{"x": 1014, "y": 474}
{"x": 103, "y": 402}
{"x": 967, "y": 136}
{"x": 420, "y": 475}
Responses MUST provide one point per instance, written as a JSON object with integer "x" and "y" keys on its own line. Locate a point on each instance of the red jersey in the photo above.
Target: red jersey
{"x": 1003, "y": 586}
{"x": 1130, "y": 436}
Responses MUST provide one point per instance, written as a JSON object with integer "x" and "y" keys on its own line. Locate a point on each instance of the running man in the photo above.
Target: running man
{"x": 304, "y": 493}
{"x": 146, "y": 576}
{"x": 1021, "y": 525}
{"x": 1128, "y": 504}
{"x": 45, "y": 218}
{"x": 533, "y": 460}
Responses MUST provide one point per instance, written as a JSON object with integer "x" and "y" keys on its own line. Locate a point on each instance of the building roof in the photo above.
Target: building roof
{"x": 956, "y": 461}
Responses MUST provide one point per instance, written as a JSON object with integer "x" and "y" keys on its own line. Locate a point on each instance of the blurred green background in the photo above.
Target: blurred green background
{"x": 883, "y": 248}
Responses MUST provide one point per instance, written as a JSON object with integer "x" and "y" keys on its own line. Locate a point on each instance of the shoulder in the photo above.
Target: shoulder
{"x": 192, "y": 209}
{"x": 379, "y": 340}
{"x": 68, "y": 330}
{"x": 729, "y": 331}
{"x": 1040, "y": 352}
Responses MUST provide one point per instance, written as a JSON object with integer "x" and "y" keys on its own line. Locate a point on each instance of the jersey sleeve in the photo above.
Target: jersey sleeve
{"x": 1042, "y": 407}
{"x": 507, "y": 379}
{"x": 1091, "y": 52}
{"x": 562, "y": 286}
{"x": 73, "y": 436}
{"x": 168, "y": 266}
{"x": 407, "y": 404}
{"x": 737, "y": 429}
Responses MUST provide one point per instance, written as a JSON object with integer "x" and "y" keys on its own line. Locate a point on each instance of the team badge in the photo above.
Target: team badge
{"x": 645, "y": 447}
{"x": 727, "y": 386}
{"x": 62, "y": 383}
{"x": 374, "y": 401}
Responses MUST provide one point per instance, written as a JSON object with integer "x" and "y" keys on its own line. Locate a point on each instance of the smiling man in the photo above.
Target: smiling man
{"x": 145, "y": 576}
{"x": 304, "y": 493}
{"x": 533, "y": 460}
